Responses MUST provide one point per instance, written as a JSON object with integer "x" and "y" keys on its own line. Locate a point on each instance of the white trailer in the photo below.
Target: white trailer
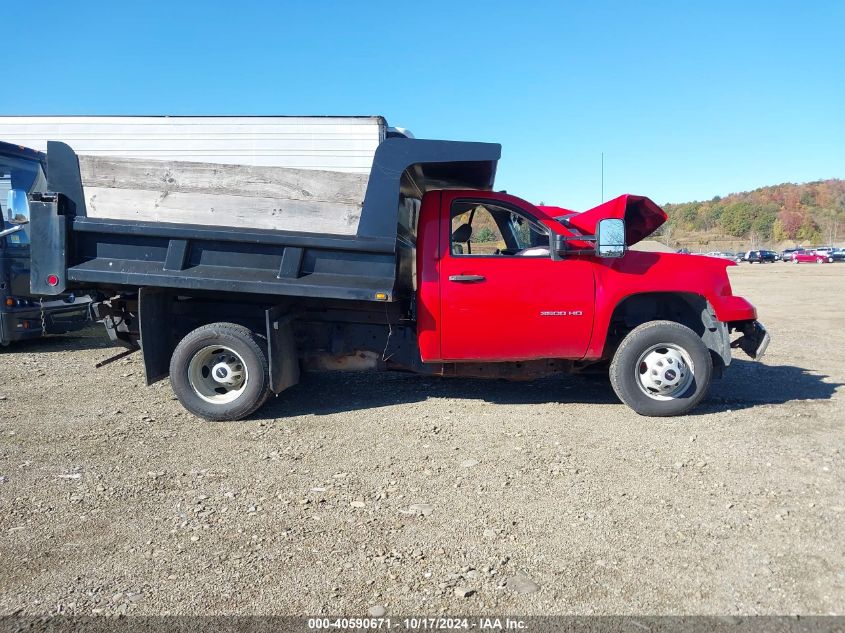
{"x": 291, "y": 173}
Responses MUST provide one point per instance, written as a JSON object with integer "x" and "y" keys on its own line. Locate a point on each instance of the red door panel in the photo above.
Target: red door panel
{"x": 502, "y": 308}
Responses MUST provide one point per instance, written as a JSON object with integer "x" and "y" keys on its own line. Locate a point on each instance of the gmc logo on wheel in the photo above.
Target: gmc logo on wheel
{"x": 561, "y": 313}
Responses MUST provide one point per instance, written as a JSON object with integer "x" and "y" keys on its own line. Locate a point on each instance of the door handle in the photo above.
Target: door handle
{"x": 467, "y": 279}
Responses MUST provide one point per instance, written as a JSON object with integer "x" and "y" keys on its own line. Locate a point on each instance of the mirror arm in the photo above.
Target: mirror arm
{"x": 562, "y": 240}
{"x": 14, "y": 229}
{"x": 578, "y": 238}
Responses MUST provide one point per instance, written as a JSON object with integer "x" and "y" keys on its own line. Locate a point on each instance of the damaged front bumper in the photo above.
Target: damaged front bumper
{"x": 754, "y": 340}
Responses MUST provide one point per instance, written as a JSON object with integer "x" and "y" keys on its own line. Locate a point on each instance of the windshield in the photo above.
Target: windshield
{"x": 18, "y": 175}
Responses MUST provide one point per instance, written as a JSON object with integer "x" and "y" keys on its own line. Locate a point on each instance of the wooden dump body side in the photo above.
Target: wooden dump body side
{"x": 374, "y": 264}
{"x": 214, "y": 194}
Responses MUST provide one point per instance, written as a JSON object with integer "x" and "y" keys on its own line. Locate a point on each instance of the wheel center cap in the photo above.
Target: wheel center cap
{"x": 670, "y": 375}
{"x": 221, "y": 372}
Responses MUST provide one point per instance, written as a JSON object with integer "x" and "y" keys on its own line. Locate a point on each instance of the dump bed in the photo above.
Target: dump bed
{"x": 289, "y": 173}
{"x": 375, "y": 262}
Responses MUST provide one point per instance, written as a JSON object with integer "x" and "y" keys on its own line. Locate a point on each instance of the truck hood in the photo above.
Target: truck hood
{"x": 642, "y": 216}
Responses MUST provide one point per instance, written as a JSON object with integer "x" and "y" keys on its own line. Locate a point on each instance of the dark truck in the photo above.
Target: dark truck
{"x": 23, "y": 315}
{"x": 232, "y": 314}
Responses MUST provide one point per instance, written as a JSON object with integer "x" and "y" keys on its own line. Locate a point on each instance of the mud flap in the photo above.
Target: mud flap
{"x": 281, "y": 350}
{"x": 155, "y": 319}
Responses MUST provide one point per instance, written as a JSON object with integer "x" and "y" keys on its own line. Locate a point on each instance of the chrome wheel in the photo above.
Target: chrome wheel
{"x": 217, "y": 374}
{"x": 664, "y": 371}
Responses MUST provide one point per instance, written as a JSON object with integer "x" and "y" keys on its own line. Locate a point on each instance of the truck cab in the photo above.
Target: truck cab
{"x": 502, "y": 280}
{"x": 23, "y": 315}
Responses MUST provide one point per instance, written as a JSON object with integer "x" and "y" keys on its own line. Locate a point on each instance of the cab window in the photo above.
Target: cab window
{"x": 486, "y": 229}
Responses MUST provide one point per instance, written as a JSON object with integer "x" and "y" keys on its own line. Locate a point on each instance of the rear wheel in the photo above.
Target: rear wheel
{"x": 220, "y": 372}
{"x": 819, "y": 260}
{"x": 661, "y": 368}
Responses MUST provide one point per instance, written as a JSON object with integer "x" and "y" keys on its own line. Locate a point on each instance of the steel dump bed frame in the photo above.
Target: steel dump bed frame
{"x": 71, "y": 250}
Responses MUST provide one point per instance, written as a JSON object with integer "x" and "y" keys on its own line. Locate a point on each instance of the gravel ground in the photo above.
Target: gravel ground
{"x": 354, "y": 492}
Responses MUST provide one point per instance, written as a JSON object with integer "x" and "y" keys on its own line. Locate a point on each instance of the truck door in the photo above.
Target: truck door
{"x": 502, "y": 296}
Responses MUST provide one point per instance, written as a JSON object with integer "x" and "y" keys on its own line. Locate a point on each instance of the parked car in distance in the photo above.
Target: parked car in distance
{"x": 720, "y": 255}
{"x": 786, "y": 255}
{"x": 832, "y": 252}
{"x": 759, "y": 257}
{"x": 820, "y": 256}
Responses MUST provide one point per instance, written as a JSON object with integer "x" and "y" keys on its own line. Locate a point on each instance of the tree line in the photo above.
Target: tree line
{"x": 810, "y": 213}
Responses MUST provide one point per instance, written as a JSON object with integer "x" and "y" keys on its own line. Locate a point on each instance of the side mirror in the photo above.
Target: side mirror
{"x": 610, "y": 238}
{"x": 18, "y": 207}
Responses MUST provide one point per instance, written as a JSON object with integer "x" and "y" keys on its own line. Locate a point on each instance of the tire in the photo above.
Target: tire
{"x": 819, "y": 260}
{"x": 660, "y": 341}
{"x": 232, "y": 351}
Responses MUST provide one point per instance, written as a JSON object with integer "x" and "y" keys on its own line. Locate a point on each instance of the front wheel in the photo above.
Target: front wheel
{"x": 661, "y": 368}
{"x": 220, "y": 372}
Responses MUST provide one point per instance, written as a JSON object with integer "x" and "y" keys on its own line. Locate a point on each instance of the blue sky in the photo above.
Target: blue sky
{"x": 686, "y": 100}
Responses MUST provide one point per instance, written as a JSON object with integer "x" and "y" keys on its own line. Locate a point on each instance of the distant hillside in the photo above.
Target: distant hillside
{"x": 811, "y": 213}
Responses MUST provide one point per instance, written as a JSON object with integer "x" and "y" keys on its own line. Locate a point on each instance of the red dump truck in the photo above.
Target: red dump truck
{"x": 439, "y": 275}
